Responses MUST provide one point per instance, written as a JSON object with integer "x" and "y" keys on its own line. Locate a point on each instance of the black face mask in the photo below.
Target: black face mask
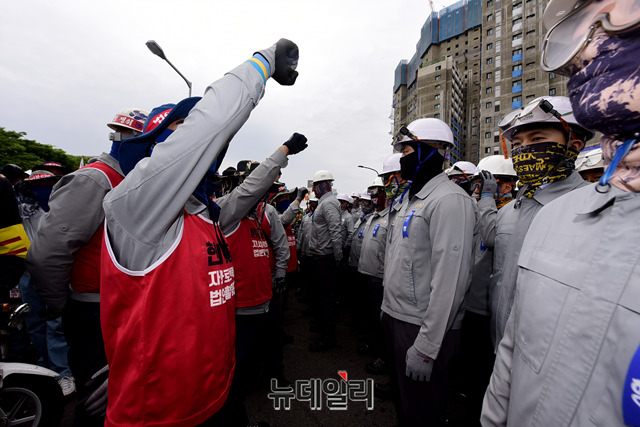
{"x": 408, "y": 165}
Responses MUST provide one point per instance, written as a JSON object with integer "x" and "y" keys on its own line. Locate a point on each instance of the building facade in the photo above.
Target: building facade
{"x": 476, "y": 61}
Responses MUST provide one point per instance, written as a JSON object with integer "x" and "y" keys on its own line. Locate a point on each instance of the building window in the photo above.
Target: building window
{"x": 530, "y": 64}
{"x": 436, "y": 115}
{"x": 552, "y": 76}
{"x": 437, "y": 106}
{"x": 517, "y": 21}
{"x": 490, "y": 17}
{"x": 531, "y": 32}
{"x": 487, "y": 120}
{"x": 517, "y": 5}
{"x": 517, "y": 52}
{"x": 489, "y": 75}
{"x": 516, "y": 98}
{"x": 516, "y": 36}
{"x": 531, "y": 80}
{"x": 489, "y": 61}
{"x": 533, "y": 15}
{"x": 488, "y": 104}
{"x": 531, "y": 47}
{"x": 437, "y": 87}
{"x": 438, "y": 67}
{"x": 489, "y": 3}
{"x": 488, "y": 90}
{"x": 530, "y": 97}
{"x": 437, "y": 96}
{"x": 438, "y": 77}
{"x": 516, "y": 83}
{"x": 487, "y": 150}
{"x": 490, "y": 31}
{"x": 489, "y": 46}
{"x": 514, "y": 68}
{"x": 497, "y": 108}
{"x": 552, "y": 91}
{"x": 487, "y": 135}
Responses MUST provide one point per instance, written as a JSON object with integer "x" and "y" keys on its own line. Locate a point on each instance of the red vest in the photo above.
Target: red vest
{"x": 85, "y": 273}
{"x": 250, "y": 252}
{"x": 293, "y": 257}
{"x": 169, "y": 331}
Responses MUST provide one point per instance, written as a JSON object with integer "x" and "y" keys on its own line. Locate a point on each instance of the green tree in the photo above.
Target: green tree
{"x": 15, "y": 148}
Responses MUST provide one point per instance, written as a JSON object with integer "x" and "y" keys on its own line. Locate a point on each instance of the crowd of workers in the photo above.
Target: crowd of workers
{"x": 162, "y": 279}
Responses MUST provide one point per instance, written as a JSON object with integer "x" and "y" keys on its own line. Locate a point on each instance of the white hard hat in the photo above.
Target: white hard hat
{"x": 343, "y": 197}
{"x": 322, "y": 175}
{"x": 377, "y": 183}
{"x": 590, "y": 159}
{"x": 461, "y": 168}
{"x": 497, "y": 165}
{"x": 391, "y": 164}
{"x": 365, "y": 197}
{"x": 312, "y": 197}
{"x": 532, "y": 113}
{"x": 427, "y": 129}
{"x": 355, "y": 195}
{"x": 130, "y": 118}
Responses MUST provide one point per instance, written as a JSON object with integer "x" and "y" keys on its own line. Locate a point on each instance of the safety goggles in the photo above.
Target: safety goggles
{"x": 532, "y": 113}
{"x": 568, "y": 35}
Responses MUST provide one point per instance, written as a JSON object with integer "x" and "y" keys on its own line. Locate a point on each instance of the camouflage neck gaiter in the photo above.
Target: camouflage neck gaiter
{"x": 537, "y": 164}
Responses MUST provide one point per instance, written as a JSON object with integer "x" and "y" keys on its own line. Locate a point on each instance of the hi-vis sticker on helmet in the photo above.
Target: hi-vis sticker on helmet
{"x": 631, "y": 392}
{"x": 159, "y": 118}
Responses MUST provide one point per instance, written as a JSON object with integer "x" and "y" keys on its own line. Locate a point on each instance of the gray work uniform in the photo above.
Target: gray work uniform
{"x": 504, "y": 232}
{"x": 575, "y": 324}
{"x": 374, "y": 242}
{"x": 304, "y": 236}
{"x": 429, "y": 260}
{"x": 144, "y": 213}
{"x": 278, "y": 242}
{"x": 346, "y": 227}
{"x": 326, "y": 235}
{"x": 357, "y": 234}
{"x": 75, "y": 214}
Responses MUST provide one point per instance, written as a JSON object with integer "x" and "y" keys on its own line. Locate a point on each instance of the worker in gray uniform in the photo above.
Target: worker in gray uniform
{"x": 543, "y": 156}
{"x": 570, "y": 355}
{"x": 325, "y": 247}
{"x": 427, "y": 272}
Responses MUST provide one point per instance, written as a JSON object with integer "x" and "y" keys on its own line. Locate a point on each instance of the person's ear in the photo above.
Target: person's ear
{"x": 578, "y": 144}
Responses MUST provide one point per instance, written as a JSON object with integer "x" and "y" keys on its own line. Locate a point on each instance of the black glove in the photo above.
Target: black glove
{"x": 279, "y": 285}
{"x": 296, "y": 143}
{"x": 286, "y": 62}
{"x": 301, "y": 193}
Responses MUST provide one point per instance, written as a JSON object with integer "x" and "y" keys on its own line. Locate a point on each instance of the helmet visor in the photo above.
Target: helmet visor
{"x": 565, "y": 39}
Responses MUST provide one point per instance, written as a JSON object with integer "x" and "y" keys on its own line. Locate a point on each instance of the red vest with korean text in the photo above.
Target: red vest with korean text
{"x": 169, "y": 331}
{"x": 293, "y": 257}
{"x": 250, "y": 252}
{"x": 85, "y": 273}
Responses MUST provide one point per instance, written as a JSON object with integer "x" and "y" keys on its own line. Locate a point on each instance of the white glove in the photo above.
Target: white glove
{"x": 419, "y": 366}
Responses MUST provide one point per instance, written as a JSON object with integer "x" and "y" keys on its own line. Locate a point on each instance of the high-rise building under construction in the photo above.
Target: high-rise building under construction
{"x": 476, "y": 60}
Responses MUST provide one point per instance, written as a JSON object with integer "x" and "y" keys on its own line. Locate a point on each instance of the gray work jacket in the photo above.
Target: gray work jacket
{"x": 346, "y": 226}
{"x": 575, "y": 324}
{"x": 326, "y": 235}
{"x": 304, "y": 236}
{"x": 504, "y": 231}
{"x": 359, "y": 229}
{"x": 277, "y": 242}
{"x": 428, "y": 261}
{"x": 144, "y": 213}
{"x": 374, "y": 242}
{"x": 75, "y": 214}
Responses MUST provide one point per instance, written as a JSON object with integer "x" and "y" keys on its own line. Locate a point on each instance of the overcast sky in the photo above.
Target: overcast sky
{"x": 67, "y": 67}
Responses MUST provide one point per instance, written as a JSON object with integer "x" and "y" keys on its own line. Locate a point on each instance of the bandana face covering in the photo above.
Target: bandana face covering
{"x": 605, "y": 90}
{"x": 605, "y": 86}
{"x": 534, "y": 164}
{"x": 393, "y": 188}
